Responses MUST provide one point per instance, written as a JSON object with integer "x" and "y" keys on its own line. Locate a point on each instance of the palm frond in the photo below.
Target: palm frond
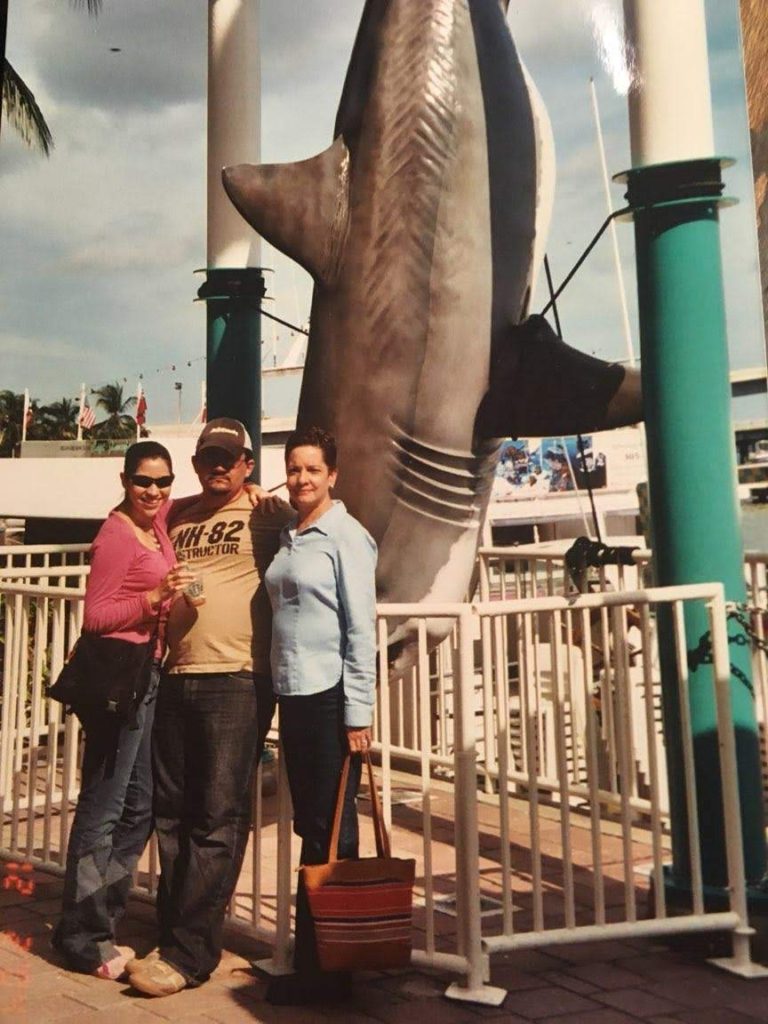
{"x": 23, "y": 113}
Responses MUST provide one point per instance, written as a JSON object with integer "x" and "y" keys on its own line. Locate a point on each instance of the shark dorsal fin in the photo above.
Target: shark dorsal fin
{"x": 300, "y": 208}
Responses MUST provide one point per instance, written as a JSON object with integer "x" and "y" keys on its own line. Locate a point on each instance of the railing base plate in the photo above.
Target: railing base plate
{"x": 486, "y": 995}
{"x": 744, "y": 970}
{"x": 272, "y": 968}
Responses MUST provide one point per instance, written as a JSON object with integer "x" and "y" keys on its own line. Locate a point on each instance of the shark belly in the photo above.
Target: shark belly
{"x": 401, "y": 385}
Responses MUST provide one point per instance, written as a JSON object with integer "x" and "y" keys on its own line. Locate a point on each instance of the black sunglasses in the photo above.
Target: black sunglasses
{"x": 146, "y": 481}
{"x": 219, "y": 457}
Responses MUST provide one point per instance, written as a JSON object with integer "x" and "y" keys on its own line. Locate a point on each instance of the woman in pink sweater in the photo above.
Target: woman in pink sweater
{"x": 132, "y": 581}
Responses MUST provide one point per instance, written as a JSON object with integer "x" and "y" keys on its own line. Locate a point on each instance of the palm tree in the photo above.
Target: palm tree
{"x": 23, "y": 113}
{"x": 11, "y": 417}
{"x": 16, "y": 99}
{"x": 59, "y": 419}
{"x": 118, "y": 422}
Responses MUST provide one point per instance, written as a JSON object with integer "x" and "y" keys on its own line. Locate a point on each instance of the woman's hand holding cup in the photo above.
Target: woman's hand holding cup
{"x": 176, "y": 580}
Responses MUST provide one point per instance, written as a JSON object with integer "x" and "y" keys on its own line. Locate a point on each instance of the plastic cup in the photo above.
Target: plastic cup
{"x": 194, "y": 592}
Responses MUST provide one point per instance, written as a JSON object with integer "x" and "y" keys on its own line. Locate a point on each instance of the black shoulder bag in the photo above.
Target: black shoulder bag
{"x": 105, "y": 673}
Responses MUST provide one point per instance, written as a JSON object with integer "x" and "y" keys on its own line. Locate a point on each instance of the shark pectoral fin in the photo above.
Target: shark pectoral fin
{"x": 541, "y": 386}
{"x": 301, "y": 208}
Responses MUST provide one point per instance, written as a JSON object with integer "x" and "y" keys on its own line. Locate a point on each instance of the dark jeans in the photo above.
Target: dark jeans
{"x": 315, "y": 744}
{"x": 209, "y": 734}
{"x": 112, "y": 824}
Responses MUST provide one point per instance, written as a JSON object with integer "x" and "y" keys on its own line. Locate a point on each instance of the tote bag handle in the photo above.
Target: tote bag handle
{"x": 382, "y": 839}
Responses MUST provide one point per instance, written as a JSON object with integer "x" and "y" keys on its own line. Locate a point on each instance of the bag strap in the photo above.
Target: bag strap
{"x": 382, "y": 838}
{"x": 333, "y": 851}
{"x": 383, "y": 848}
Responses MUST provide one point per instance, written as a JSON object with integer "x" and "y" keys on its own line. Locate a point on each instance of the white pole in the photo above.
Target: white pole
{"x": 614, "y": 236}
{"x": 80, "y": 413}
{"x": 469, "y": 923}
{"x": 234, "y": 124}
{"x": 670, "y": 104}
{"x": 24, "y": 415}
{"x": 139, "y": 392}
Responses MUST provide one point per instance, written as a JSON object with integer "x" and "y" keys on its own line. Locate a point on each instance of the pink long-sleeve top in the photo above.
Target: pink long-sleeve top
{"x": 123, "y": 571}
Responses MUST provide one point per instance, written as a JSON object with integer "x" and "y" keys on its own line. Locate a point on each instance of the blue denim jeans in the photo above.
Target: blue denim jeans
{"x": 209, "y": 734}
{"x": 315, "y": 744}
{"x": 112, "y": 824}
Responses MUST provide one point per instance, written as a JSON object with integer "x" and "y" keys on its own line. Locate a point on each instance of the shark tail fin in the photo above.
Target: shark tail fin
{"x": 300, "y": 208}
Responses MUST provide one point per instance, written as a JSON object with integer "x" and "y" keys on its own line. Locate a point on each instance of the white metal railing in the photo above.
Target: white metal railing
{"x": 627, "y": 719}
{"x": 42, "y": 555}
{"x": 38, "y": 752}
{"x": 508, "y": 572}
{"x": 580, "y": 750}
{"x": 538, "y": 571}
{"x": 512, "y": 700}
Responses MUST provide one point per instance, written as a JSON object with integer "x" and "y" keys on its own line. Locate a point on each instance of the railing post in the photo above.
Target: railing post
{"x": 490, "y": 754}
{"x": 280, "y": 961}
{"x": 7, "y": 730}
{"x": 741, "y": 961}
{"x": 472, "y": 988}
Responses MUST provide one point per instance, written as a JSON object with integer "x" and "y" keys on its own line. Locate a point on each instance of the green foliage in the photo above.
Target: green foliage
{"x": 18, "y": 102}
{"x": 23, "y": 113}
{"x": 119, "y": 423}
{"x": 11, "y": 416}
{"x": 59, "y": 420}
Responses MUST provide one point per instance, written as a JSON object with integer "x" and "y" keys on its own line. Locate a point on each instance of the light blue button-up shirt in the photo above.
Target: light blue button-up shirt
{"x": 321, "y": 585}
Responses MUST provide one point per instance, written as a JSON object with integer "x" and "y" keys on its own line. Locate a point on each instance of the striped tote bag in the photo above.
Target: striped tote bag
{"x": 361, "y": 908}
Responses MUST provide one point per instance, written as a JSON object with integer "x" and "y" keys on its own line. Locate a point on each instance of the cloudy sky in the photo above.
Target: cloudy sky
{"x": 99, "y": 243}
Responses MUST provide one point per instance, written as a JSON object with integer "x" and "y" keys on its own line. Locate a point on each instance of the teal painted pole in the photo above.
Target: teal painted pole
{"x": 233, "y": 375}
{"x": 693, "y": 490}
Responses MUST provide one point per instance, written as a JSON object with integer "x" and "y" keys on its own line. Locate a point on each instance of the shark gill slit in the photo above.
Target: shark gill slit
{"x": 448, "y": 486}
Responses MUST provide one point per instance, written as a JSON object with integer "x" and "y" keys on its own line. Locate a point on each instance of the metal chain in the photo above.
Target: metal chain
{"x": 741, "y": 612}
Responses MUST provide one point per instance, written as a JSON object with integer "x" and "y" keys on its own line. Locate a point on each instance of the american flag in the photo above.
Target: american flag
{"x": 87, "y": 417}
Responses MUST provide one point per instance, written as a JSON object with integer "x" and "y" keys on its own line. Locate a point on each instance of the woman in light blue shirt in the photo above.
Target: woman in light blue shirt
{"x": 321, "y": 585}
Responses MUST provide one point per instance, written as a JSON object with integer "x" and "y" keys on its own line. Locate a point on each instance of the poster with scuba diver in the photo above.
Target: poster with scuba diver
{"x": 536, "y": 467}
{"x": 540, "y": 467}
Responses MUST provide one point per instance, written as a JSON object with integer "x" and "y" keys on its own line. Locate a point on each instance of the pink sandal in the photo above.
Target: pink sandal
{"x": 114, "y": 968}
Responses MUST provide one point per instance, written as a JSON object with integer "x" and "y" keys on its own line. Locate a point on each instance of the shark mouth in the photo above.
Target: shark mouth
{"x": 445, "y": 485}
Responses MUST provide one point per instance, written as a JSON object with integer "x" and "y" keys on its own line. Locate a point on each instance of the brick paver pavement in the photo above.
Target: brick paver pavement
{"x": 602, "y": 983}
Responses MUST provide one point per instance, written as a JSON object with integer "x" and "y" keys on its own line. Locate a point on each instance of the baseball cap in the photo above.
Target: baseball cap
{"x": 224, "y": 433}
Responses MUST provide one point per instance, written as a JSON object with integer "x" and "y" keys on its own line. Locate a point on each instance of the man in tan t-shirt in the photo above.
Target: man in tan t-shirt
{"x": 214, "y": 710}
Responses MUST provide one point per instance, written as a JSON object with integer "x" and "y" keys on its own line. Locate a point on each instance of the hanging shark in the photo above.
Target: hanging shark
{"x": 423, "y": 226}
